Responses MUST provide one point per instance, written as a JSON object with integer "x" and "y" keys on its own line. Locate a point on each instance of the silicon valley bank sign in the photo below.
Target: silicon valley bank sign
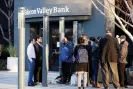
{"x": 58, "y": 10}
{"x": 47, "y": 10}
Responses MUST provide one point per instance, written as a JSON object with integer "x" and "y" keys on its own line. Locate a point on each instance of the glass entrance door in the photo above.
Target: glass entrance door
{"x": 54, "y": 41}
{"x": 36, "y": 29}
{"x": 53, "y": 48}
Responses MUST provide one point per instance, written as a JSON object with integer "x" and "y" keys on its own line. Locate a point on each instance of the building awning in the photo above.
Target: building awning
{"x": 55, "y": 18}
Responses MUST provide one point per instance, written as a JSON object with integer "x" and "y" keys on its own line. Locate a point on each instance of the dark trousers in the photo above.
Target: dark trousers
{"x": 129, "y": 60}
{"x": 66, "y": 70}
{"x": 122, "y": 74}
{"x": 31, "y": 71}
{"x": 38, "y": 73}
{"x": 90, "y": 71}
{"x": 95, "y": 68}
{"x": 125, "y": 81}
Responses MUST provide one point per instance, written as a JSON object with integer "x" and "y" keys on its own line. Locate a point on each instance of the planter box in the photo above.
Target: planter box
{"x": 12, "y": 64}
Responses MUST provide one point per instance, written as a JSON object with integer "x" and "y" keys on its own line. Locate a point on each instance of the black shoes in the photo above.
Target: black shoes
{"x": 79, "y": 87}
{"x": 31, "y": 84}
{"x": 126, "y": 86}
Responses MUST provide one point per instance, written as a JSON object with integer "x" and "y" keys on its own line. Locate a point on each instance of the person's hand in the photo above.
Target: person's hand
{"x": 76, "y": 73}
{"x": 117, "y": 36}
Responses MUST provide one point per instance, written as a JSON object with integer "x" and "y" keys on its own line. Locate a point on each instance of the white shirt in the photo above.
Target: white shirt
{"x": 31, "y": 52}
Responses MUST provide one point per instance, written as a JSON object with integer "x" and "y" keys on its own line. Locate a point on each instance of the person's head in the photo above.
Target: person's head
{"x": 32, "y": 41}
{"x": 122, "y": 38}
{"x": 108, "y": 32}
{"x": 64, "y": 40}
{"x": 39, "y": 39}
{"x": 92, "y": 39}
{"x": 99, "y": 38}
{"x": 69, "y": 38}
{"x": 84, "y": 36}
{"x": 81, "y": 40}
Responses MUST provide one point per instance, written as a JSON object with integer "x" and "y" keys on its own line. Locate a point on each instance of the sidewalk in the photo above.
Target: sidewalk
{"x": 8, "y": 80}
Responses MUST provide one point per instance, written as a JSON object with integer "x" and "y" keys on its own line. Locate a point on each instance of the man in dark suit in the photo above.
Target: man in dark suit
{"x": 38, "y": 63}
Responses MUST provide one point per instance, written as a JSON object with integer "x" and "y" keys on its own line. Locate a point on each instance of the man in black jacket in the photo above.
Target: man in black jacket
{"x": 38, "y": 62}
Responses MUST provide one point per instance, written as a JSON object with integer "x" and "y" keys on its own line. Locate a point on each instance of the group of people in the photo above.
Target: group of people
{"x": 88, "y": 55}
{"x": 34, "y": 53}
{"x": 84, "y": 60}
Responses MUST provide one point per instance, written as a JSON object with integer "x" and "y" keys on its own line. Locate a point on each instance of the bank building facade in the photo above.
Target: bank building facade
{"x": 79, "y": 16}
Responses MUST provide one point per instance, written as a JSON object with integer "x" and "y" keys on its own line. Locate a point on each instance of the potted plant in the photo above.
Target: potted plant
{"x": 12, "y": 61}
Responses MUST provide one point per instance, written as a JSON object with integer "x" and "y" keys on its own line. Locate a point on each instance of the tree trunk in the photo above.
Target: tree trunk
{"x": 9, "y": 22}
{"x": 108, "y": 23}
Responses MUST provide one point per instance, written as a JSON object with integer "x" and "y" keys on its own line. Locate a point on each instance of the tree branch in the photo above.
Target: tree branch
{"x": 113, "y": 14}
{"x": 11, "y": 14}
{"x": 11, "y": 2}
{"x": 119, "y": 9}
{"x": 104, "y": 14}
{"x": 123, "y": 27}
{"x": 4, "y": 13}
{"x": 126, "y": 22}
{"x": 3, "y": 33}
{"x": 130, "y": 10}
{"x": 114, "y": 6}
{"x": 6, "y": 3}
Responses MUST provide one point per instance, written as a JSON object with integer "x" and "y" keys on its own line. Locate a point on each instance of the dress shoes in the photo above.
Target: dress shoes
{"x": 31, "y": 84}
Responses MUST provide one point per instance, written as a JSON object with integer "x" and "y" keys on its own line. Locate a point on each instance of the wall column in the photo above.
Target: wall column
{"x": 62, "y": 35}
{"x": 21, "y": 57}
{"x": 27, "y": 38}
{"x": 75, "y": 32}
{"x": 45, "y": 50}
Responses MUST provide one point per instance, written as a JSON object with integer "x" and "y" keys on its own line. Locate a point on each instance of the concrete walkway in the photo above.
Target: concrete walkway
{"x": 9, "y": 80}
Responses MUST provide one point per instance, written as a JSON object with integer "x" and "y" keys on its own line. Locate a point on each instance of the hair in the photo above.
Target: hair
{"x": 69, "y": 38}
{"x": 81, "y": 40}
{"x": 123, "y": 37}
{"x": 38, "y": 36}
{"x": 30, "y": 40}
{"x": 92, "y": 39}
{"x": 84, "y": 36}
{"x": 99, "y": 37}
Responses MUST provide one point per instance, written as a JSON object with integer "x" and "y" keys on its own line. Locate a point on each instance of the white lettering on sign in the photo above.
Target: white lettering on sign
{"x": 30, "y": 12}
{"x": 47, "y": 10}
{"x": 60, "y": 10}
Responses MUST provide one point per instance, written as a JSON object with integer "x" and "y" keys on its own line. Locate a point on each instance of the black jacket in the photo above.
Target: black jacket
{"x": 38, "y": 52}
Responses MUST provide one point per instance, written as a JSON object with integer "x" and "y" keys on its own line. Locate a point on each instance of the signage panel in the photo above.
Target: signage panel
{"x": 58, "y": 10}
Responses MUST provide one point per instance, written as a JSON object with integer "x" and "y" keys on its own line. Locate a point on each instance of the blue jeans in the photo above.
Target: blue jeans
{"x": 31, "y": 71}
{"x": 95, "y": 68}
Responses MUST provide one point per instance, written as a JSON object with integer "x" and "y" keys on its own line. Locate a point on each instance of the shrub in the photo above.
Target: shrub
{"x": 12, "y": 51}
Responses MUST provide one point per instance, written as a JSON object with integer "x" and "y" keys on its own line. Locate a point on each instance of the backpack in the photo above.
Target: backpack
{"x": 82, "y": 55}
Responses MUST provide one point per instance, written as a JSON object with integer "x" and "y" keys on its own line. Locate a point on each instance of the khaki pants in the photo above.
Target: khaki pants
{"x": 112, "y": 67}
{"x": 80, "y": 74}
